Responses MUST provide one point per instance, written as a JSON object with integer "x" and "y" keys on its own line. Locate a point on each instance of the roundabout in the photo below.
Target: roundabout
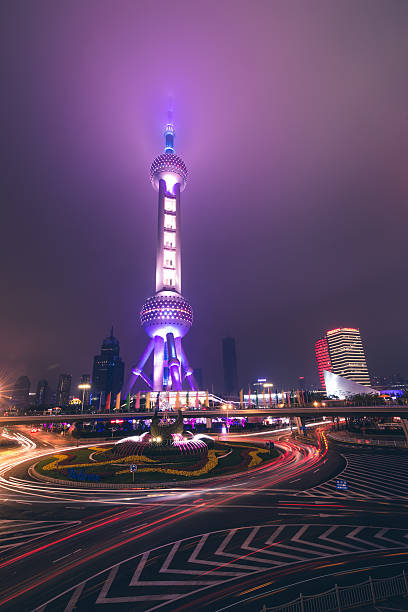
{"x": 229, "y": 541}
{"x": 101, "y": 464}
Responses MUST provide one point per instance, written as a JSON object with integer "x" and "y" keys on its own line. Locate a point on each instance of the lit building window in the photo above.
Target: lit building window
{"x": 168, "y": 258}
{"x": 169, "y": 240}
{"x": 170, "y": 204}
{"x": 169, "y": 222}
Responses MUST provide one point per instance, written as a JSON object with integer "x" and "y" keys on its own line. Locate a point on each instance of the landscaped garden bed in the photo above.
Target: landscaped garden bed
{"x": 101, "y": 464}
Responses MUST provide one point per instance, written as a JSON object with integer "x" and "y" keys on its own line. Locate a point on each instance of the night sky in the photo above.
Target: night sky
{"x": 292, "y": 119}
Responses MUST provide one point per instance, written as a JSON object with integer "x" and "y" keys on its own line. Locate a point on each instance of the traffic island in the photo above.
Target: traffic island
{"x": 102, "y": 465}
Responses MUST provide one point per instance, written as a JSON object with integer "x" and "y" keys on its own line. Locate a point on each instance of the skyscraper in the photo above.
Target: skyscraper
{"x": 341, "y": 352}
{"x": 20, "y": 393}
{"x": 167, "y": 316}
{"x": 198, "y": 377}
{"x": 323, "y": 359}
{"x": 43, "y": 395}
{"x": 229, "y": 360}
{"x": 63, "y": 390}
{"x": 108, "y": 369}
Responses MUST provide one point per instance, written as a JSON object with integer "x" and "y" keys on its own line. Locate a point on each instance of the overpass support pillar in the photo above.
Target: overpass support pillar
{"x": 299, "y": 424}
{"x": 404, "y": 423}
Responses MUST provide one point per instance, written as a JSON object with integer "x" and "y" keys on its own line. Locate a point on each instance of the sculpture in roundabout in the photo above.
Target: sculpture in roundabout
{"x": 165, "y": 440}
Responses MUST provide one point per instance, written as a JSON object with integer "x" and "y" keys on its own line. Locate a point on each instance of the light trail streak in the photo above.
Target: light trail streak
{"x": 68, "y": 537}
{"x": 295, "y": 459}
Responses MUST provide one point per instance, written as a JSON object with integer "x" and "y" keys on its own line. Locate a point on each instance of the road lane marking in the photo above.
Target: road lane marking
{"x": 255, "y": 588}
{"x": 75, "y": 507}
{"x": 329, "y": 565}
{"x": 133, "y": 527}
{"x": 68, "y": 555}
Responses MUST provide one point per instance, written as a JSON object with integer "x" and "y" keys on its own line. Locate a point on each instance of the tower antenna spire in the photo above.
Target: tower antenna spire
{"x": 169, "y": 132}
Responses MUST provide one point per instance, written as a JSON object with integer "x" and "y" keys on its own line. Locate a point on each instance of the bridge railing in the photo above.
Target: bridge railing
{"x": 343, "y": 437}
{"x": 338, "y": 598}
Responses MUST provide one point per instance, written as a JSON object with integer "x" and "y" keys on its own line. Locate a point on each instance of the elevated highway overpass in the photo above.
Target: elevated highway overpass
{"x": 300, "y": 411}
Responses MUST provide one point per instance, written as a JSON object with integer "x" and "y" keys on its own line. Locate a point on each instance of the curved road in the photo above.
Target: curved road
{"x": 228, "y": 543}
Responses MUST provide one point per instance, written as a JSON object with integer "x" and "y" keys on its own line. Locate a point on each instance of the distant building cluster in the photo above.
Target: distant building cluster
{"x": 107, "y": 380}
{"x": 341, "y": 364}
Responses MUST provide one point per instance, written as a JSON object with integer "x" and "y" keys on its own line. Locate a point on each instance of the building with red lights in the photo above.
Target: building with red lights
{"x": 341, "y": 352}
{"x": 323, "y": 359}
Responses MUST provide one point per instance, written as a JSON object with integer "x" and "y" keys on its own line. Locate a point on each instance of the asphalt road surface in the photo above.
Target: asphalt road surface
{"x": 233, "y": 543}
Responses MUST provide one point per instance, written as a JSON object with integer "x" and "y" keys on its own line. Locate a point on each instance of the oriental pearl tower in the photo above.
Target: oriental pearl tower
{"x": 167, "y": 316}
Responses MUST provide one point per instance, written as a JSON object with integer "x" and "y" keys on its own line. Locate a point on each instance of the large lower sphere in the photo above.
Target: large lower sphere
{"x": 164, "y": 314}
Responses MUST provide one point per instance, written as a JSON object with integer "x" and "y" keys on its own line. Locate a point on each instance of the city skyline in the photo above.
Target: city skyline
{"x": 204, "y": 390}
{"x": 298, "y": 169}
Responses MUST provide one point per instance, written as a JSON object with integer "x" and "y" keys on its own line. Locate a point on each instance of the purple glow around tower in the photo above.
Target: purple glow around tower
{"x": 167, "y": 316}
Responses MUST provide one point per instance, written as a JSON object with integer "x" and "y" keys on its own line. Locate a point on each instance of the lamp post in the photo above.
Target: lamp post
{"x": 84, "y": 387}
{"x": 269, "y": 387}
{"x": 227, "y": 408}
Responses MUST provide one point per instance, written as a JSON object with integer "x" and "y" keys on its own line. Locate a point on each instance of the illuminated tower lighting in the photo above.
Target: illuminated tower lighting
{"x": 167, "y": 316}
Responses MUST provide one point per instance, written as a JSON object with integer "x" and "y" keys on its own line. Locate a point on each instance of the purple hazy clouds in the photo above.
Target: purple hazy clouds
{"x": 292, "y": 120}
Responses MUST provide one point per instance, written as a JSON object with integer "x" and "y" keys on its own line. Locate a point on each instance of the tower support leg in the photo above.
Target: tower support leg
{"x": 178, "y": 352}
{"x": 174, "y": 363}
{"x": 138, "y": 370}
{"x": 158, "y": 361}
{"x": 188, "y": 371}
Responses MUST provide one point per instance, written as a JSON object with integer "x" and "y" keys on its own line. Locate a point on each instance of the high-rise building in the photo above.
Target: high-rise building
{"x": 20, "y": 393}
{"x": 63, "y": 390}
{"x": 167, "y": 316}
{"x": 108, "y": 369}
{"x": 341, "y": 352}
{"x": 323, "y": 359}
{"x": 43, "y": 395}
{"x": 229, "y": 361}
{"x": 198, "y": 377}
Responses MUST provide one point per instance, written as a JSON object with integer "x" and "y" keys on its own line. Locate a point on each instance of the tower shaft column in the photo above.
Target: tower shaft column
{"x": 160, "y": 237}
{"x": 178, "y": 238}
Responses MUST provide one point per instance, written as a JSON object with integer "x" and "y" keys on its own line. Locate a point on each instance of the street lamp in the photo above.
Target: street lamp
{"x": 84, "y": 387}
{"x": 227, "y": 407}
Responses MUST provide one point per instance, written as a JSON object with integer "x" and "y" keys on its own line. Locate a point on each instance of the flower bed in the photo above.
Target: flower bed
{"x": 225, "y": 458}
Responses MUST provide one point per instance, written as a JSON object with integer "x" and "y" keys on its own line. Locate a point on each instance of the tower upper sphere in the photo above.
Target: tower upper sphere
{"x": 169, "y": 166}
{"x": 171, "y": 169}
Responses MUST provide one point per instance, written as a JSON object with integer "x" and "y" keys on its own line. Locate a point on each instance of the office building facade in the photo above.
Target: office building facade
{"x": 63, "y": 390}
{"x": 43, "y": 395}
{"x": 341, "y": 351}
{"x": 108, "y": 369}
{"x": 21, "y": 392}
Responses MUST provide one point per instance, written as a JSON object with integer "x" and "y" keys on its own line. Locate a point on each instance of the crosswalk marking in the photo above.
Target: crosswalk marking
{"x": 373, "y": 476}
{"x": 157, "y": 578}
